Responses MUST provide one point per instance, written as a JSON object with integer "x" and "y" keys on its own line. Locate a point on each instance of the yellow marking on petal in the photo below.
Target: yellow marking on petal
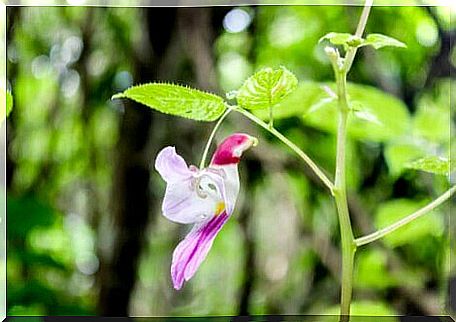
{"x": 220, "y": 208}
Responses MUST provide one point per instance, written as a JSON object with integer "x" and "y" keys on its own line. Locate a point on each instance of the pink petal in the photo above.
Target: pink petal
{"x": 171, "y": 166}
{"x": 190, "y": 252}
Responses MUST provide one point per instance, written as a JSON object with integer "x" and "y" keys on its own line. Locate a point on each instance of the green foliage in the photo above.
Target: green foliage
{"x": 266, "y": 88}
{"x": 366, "y": 308}
{"x": 432, "y": 164}
{"x": 371, "y": 264}
{"x": 345, "y": 39}
{"x": 9, "y": 103}
{"x": 432, "y": 122}
{"x": 379, "y": 41}
{"x": 40, "y": 247}
{"x": 177, "y": 100}
{"x": 428, "y": 148}
{"x": 27, "y": 213}
{"x": 364, "y": 114}
{"x": 63, "y": 146}
{"x": 399, "y": 154}
{"x": 387, "y": 116}
{"x": 41, "y": 259}
{"x": 375, "y": 40}
{"x": 394, "y": 210}
{"x": 370, "y": 308}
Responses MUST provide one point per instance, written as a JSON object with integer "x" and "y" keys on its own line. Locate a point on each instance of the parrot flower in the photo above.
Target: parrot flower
{"x": 202, "y": 197}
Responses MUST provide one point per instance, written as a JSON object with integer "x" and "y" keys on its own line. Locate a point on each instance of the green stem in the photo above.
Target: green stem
{"x": 340, "y": 195}
{"x": 211, "y": 137}
{"x": 359, "y": 32}
{"x": 291, "y": 145}
{"x": 404, "y": 221}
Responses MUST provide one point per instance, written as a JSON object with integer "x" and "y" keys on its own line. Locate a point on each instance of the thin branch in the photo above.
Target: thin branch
{"x": 387, "y": 230}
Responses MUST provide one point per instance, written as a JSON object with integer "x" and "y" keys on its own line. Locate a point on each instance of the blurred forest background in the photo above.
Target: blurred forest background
{"x": 85, "y": 234}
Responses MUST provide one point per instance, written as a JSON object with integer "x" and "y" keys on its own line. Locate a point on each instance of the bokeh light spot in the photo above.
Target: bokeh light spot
{"x": 236, "y": 20}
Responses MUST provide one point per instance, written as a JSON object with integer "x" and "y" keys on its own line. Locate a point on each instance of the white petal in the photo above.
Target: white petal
{"x": 183, "y": 204}
{"x": 171, "y": 166}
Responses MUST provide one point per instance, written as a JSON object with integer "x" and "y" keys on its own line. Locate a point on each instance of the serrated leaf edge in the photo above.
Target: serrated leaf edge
{"x": 123, "y": 94}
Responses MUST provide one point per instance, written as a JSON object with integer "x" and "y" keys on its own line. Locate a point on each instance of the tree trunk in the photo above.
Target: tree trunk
{"x": 131, "y": 199}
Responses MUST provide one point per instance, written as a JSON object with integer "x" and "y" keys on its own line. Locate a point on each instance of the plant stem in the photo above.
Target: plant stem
{"x": 359, "y": 33}
{"x": 340, "y": 195}
{"x": 291, "y": 145}
{"x": 211, "y": 137}
{"x": 404, "y": 221}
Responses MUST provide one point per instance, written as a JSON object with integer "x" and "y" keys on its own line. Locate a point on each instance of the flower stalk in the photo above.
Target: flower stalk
{"x": 211, "y": 138}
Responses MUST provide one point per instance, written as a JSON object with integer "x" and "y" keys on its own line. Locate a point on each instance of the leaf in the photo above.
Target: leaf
{"x": 378, "y": 41}
{"x": 399, "y": 154}
{"x": 388, "y": 116}
{"x": 177, "y": 100}
{"x": 432, "y": 164}
{"x": 300, "y": 102}
{"x": 267, "y": 87}
{"x": 346, "y": 39}
{"x": 391, "y": 211}
{"x": 432, "y": 122}
{"x": 371, "y": 270}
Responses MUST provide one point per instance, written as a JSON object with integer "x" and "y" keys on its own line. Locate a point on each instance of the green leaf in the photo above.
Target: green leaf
{"x": 394, "y": 210}
{"x": 371, "y": 270}
{"x": 432, "y": 164}
{"x": 267, "y": 87}
{"x": 399, "y": 154}
{"x": 378, "y": 41}
{"x": 9, "y": 103}
{"x": 346, "y": 39}
{"x": 388, "y": 116}
{"x": 432, "y": 122}
{"x": 177, "y": 100}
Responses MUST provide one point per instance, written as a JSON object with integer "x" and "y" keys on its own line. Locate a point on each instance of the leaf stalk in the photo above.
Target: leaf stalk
{"x": 404, "y": 221}
{"x": 313, "y": 166}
